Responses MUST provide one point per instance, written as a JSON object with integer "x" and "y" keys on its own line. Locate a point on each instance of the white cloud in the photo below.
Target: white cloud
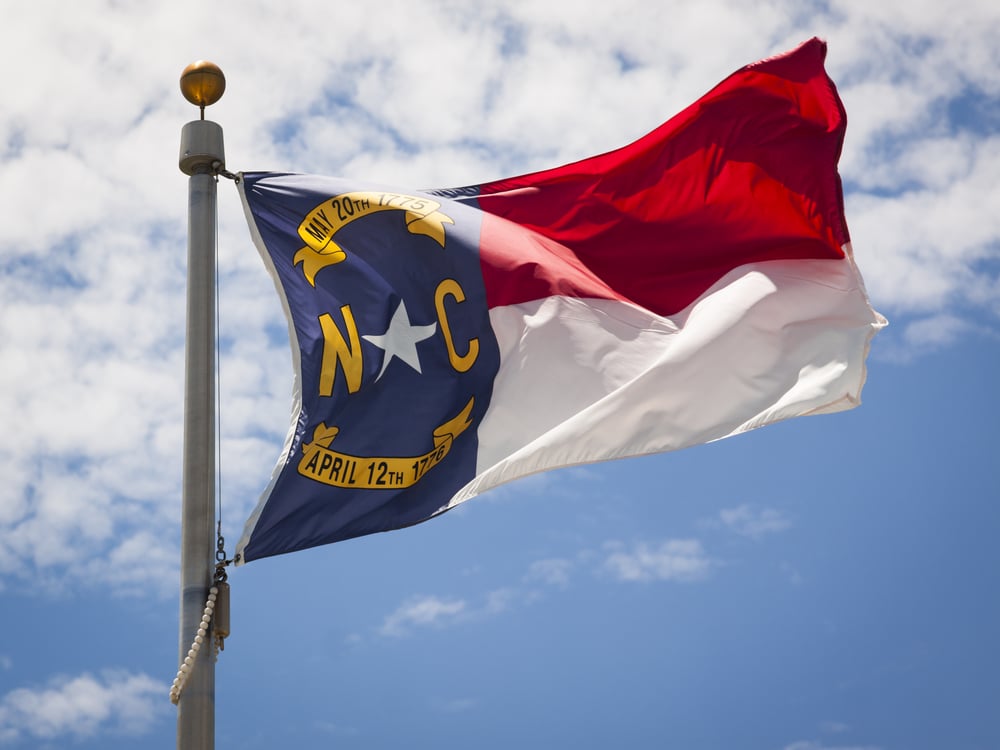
{"x": 553, "y": 571}
{"x": 753, "y": 523}
{"x": 422, "y": 611}
{"x": 501, "y": 600}
{"x": 682, "y": 560}
{"x": 926, "y": 247}
{"x": 933, "y": 332}
{"x": 84, "y": 706}
{"x": 439, "y": 612}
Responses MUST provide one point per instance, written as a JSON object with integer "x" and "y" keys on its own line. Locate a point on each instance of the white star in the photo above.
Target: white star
{"x": 401, "y": 339}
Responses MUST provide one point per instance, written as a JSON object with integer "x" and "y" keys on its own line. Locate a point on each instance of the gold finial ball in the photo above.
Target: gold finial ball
{"x": 202, "y": 83}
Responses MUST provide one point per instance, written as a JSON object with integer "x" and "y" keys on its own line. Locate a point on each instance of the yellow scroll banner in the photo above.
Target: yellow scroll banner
{"x": 324, "y": 221}
{"x": 342, "y": 470}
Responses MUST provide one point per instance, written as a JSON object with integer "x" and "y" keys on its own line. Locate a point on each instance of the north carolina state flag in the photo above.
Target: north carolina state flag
{"x": 693, "y": 285}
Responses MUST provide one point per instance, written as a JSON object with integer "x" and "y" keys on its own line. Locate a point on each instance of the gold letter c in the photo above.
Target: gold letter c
{"x": 461, "y": 363}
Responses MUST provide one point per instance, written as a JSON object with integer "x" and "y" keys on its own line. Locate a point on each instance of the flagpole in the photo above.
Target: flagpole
{"x": 201, "y": 158}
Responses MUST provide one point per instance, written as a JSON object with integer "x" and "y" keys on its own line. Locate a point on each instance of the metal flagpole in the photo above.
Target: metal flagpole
{"x": 201, "y": 157}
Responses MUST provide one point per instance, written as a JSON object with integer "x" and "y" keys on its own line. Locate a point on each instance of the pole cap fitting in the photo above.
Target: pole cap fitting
{"x": 203, "y": 83}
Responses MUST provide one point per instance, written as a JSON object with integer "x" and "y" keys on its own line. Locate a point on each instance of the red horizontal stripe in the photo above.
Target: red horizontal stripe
{"x": 748, "y": 173}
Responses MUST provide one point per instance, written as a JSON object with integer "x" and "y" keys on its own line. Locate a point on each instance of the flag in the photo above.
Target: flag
{"x": 693, "y": 285}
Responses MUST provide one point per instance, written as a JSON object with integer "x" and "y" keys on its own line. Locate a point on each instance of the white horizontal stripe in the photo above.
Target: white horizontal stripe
{"x": 585, "y": 380}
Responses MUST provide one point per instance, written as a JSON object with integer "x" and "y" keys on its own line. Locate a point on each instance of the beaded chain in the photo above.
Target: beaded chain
{"x": 188, "y": 664}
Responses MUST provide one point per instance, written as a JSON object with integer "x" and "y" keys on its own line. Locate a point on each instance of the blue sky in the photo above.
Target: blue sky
{"x": 822, "y": 584}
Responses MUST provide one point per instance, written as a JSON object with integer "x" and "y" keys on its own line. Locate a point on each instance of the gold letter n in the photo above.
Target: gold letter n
{"x": 337, "y": 351}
